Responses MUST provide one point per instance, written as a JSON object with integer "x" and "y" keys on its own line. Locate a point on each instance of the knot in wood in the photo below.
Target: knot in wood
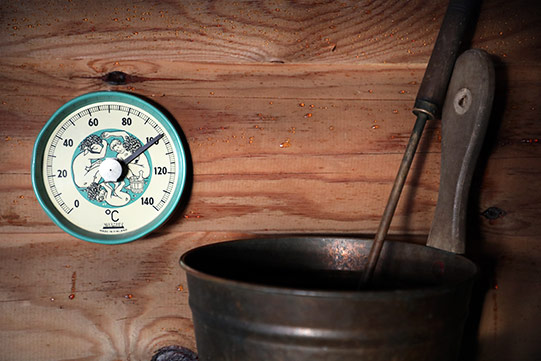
{"x": 492, "y": 213}
{"x": 174, "y": 353}
{"x": 116, "y": 78}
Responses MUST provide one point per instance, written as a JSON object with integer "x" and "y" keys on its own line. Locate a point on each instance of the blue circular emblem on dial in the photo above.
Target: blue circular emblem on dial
{"x": 90, "y": 154}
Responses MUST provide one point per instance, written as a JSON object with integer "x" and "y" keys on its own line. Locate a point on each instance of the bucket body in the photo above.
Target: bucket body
{"x": 297, "y": 299}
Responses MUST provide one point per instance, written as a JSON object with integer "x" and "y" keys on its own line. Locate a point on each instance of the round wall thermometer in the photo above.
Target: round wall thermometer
{"x": 108, "y": 167}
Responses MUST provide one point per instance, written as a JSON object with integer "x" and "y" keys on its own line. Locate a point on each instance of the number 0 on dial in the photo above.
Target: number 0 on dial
{"x": 108, "y": 167}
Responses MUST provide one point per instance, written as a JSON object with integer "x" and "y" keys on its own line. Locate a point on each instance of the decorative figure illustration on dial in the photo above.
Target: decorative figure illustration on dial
{"x": 109, "y": 167}
{"x": 91, "y": 154}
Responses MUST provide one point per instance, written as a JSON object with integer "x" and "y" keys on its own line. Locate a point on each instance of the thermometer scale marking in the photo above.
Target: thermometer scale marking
{"x": 95, "y": 110}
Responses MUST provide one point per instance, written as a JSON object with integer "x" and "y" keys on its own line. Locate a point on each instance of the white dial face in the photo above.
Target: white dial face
{"x": 77, "y": 157}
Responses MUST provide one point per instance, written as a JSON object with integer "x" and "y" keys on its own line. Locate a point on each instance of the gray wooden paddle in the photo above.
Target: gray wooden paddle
{"x": 465, "y": 118}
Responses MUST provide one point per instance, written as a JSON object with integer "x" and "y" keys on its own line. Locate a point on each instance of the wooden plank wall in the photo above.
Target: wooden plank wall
{"x": 296, "y": 115}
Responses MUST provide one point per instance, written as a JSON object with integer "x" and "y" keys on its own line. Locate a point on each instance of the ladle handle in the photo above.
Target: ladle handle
{"x": 465, "y": 117}
{"x": 433, "y": 88}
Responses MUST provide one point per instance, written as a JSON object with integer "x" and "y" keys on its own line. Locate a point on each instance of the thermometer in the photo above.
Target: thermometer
{"x": 109, "y": 167}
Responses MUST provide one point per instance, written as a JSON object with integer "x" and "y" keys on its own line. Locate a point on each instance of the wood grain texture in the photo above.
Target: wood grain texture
{"x": 283, "y": 148}
{"x": 296, "y": 115}
{"x": 63, "y": 300}
{"x": 257, "y": 31}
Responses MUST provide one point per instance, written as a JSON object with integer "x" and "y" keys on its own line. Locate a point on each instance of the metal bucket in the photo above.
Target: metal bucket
{"x": 297, "y": 299}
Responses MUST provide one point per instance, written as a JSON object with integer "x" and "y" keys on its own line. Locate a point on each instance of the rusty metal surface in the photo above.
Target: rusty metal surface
{"x": 296, "y": 298}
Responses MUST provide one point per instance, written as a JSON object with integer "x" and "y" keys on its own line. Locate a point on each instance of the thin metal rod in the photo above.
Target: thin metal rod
{"x": 398, "y": 185}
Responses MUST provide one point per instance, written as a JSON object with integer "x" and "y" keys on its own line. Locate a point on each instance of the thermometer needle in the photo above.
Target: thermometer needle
{"x": 113, "y": 169}
{"x": 142, "y": 149}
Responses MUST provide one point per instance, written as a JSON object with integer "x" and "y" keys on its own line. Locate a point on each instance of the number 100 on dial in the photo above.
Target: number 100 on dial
{"x": 109, "y": 167}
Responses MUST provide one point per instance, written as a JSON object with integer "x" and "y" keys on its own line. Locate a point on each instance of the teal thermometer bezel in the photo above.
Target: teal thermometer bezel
{"x": 38, "y": 154}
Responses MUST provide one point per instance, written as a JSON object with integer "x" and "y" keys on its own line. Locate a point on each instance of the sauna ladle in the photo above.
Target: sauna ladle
{"x": 428, "y": 103}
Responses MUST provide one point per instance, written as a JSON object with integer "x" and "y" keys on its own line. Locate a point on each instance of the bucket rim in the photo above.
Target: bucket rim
{"x": 257, "y": 287}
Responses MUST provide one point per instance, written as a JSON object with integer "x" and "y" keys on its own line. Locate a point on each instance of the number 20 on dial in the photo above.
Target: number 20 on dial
{"x": 108, "y": 167}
